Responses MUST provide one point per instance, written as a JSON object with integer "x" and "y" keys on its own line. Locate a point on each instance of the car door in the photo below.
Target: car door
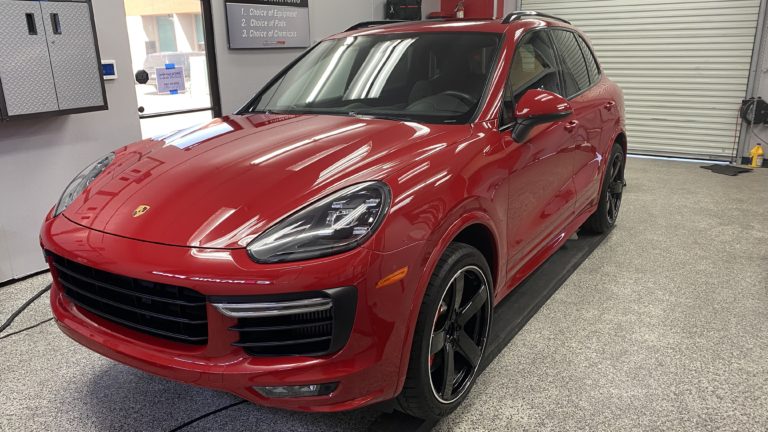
{"x": 541, "y": 191}
{"x": 587, "y": 102}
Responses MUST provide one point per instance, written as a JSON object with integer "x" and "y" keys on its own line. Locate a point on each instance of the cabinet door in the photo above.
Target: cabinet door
{"x": 76, "y": 68}
{"x": 25, "y": 69}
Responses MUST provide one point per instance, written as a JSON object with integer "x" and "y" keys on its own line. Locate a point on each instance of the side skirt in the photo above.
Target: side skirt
{"x": 514, "y": 311}
{"x": 535, "y": 261}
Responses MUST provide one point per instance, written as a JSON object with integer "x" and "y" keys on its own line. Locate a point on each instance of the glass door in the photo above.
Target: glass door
{"x": 174, "y": 63}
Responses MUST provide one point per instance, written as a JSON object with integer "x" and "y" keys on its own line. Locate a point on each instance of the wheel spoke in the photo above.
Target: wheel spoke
{"x": 449, "y": 374}
{"x": 474, "y": 306}
{"x": 458, "y": 293}
{"x": 616, "y": 170}
{"x": 468, "y": 348}
{"x": 438, "y": 342}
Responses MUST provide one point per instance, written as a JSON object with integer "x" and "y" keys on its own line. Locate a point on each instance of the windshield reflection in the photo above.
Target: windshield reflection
{"x": 434, "y": 77}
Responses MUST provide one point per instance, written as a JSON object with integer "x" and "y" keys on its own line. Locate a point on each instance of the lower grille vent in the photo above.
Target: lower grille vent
{"x": 306, "y": 333}
{"x": 280, "y": 326}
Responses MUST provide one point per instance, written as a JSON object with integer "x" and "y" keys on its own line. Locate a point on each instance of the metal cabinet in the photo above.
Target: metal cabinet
{"x": 25, "y": 69}
{"x": 49, "y": 60}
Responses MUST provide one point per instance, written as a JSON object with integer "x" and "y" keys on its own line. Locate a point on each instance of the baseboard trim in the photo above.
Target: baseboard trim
{"x": 22, "y": 279}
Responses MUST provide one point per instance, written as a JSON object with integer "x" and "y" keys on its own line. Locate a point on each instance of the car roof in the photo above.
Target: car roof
{"x": 449, "y": 25}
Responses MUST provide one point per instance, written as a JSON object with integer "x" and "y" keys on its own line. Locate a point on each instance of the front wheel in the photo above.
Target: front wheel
{"x": 451, "y": 334}
{"x": 610, "y": 194}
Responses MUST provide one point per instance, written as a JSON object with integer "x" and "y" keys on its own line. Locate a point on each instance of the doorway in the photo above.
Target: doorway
{"x": 174, "y": 61}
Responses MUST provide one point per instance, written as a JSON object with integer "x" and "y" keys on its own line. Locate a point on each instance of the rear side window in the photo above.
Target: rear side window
{"x": 594, "y": 71}
{"x": 574, "y": 68}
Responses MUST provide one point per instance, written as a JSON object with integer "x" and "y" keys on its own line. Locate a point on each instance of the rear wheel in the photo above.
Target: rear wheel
{"x": 451, "y": 334}
{"x": 610, "y": 194}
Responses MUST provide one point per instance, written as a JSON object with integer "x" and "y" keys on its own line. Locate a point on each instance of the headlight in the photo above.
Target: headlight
{"x": 335, "y": 224}
{"x": 78, "y": 185}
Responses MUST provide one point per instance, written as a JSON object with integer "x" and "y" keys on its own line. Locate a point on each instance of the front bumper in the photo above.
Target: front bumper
{"x": 367, "y": 368}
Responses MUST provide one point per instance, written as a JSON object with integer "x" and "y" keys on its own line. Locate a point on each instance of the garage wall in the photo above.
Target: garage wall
{"x": 243, "y": 72}
{"x": 511, "y": 6}
{"x": 759, "y": 133}
{"x": 39, "y": 157}
{"x": 683, "y": 64}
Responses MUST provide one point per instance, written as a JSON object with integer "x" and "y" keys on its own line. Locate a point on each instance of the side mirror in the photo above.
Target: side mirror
{"x": 538, "y": 107}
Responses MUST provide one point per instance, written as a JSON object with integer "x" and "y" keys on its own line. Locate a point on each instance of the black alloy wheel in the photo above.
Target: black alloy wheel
{"x": 451, "y": 334}
{"x": 459, "y": 334}
{"x": 611, "y": 194}
{"x": 616, "y": 184}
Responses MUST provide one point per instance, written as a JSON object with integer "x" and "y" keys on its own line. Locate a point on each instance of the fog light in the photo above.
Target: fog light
{"x": 297, "y": 391}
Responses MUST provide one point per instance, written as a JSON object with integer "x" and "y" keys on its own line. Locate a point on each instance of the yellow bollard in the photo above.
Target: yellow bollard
{"x": 757, "y": 156}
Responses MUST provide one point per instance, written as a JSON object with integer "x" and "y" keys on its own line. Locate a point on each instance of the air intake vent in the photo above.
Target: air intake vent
{"x": 309, "y": 325}
{"x": 161, "y": 310}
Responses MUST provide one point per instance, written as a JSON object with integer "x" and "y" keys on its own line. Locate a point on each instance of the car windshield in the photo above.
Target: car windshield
{"x": 425, "y": 77}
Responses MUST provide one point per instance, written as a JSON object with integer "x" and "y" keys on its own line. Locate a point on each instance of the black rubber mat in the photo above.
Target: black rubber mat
{"x": 511, "y": 315}
{"x": 729, "y": 170}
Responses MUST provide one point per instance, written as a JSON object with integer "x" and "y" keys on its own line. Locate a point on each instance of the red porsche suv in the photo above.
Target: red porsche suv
{"x": 343, "y": 239}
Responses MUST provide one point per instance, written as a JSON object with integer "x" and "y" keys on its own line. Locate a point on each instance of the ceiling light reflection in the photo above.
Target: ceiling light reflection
{"x": 302, "y": 143}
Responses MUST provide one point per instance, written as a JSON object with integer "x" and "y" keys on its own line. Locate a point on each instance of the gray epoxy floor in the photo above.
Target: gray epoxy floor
{"x": 664, "y": 327}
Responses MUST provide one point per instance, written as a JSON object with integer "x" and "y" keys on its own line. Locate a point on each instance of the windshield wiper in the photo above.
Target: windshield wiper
{"x": 392, "y": 117}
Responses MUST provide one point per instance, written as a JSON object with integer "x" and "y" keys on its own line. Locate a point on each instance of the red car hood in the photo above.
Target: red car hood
{"x": 221, "y": 184}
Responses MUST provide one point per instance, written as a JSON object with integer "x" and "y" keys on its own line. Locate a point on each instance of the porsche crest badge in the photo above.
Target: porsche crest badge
{"x": 140, "y": 211}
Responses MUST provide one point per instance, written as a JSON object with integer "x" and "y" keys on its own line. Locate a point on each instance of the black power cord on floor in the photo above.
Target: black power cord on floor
{"x": 26, "y": 328}
{"x": 18, "y": 311}
{"x": 206, "y": 415}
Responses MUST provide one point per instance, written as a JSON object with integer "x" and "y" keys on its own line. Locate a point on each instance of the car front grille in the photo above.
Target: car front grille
{"x": 311, "y": 324}
{"x": 165, "y": 311}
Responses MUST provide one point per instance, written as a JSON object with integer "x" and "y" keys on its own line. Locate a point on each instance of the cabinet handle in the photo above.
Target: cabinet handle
{"x": 56, "y": 23}
{"x": 31, "y": 24}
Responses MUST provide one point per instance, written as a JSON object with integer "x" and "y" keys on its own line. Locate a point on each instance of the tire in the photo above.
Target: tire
{"x": 611, "y": 192}
{"x": 443, "y": 332}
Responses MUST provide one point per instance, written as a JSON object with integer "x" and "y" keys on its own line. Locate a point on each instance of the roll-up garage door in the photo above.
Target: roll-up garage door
{"x": 683, "y": 65}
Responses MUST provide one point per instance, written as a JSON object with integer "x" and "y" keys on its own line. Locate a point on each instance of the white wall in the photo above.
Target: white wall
{"x": 511, "y": 6}
{"x": 428, "y": 6}
{"x": 39, "y": 157}
{"x": 243, "y": 72}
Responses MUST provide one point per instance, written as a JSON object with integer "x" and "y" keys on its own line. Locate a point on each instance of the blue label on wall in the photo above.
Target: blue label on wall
{"x": 108, "y": 69}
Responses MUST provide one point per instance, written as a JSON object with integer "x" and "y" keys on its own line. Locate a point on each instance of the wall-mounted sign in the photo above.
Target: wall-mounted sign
{"x": 268, "y": 24}
{"x": 170, "y": 79}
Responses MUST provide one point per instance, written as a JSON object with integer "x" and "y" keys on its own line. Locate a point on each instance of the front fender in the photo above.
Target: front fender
{"x": 463, "y": 216}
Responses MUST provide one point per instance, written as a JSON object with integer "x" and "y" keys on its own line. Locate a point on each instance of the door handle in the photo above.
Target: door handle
{"x": 31, "y": 24}
{"x": 56, "y": 23}
{"x": 609, "y": 106}
{"x": 571, "y": 126}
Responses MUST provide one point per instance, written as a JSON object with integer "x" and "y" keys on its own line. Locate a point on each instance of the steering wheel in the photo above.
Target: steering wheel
{"x": 464, "y": 97}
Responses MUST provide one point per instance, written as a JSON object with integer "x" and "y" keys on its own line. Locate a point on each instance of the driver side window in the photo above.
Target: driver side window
{"x": 533, "y": 67}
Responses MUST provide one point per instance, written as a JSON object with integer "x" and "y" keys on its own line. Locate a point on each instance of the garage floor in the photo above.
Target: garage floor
{"x": 665, "y": 326}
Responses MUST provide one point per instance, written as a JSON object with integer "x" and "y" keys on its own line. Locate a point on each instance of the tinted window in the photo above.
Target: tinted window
{"x": 429, "y": 77}
{"x": 594, "y": 71}
{"x": 533, "y": 67}
{"x": 575, "y": 72}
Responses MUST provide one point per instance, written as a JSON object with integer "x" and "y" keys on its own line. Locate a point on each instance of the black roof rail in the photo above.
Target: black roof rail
{"x": 518, "y": 15}
{"x": 367, "y": 24}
